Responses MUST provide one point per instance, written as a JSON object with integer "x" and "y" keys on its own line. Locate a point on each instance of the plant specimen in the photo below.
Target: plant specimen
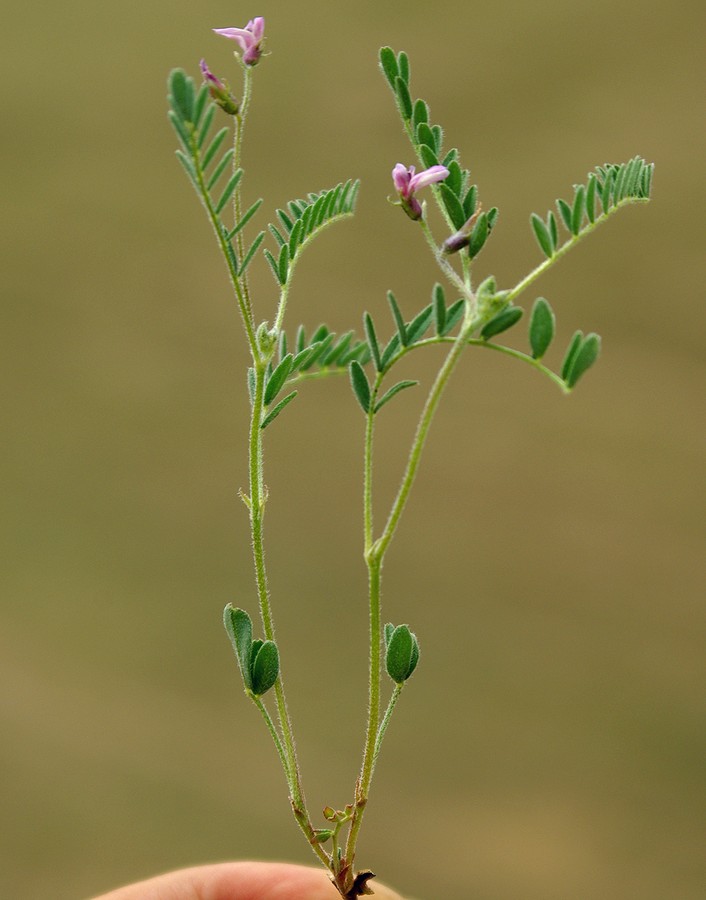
{"x": 461, "y": 314}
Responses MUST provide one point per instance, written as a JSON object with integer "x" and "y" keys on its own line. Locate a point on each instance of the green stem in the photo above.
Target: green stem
{"x": 549, "y": 261}
{"x": 368, "y": 469}
{"x": 257, "y": 510}
{"x": 274, "y": 734}
{"x": 366, "y": 775}
{"x": 225, "y": 250}
{"x": 430, "y": 407}
{"x": 237, "y": 157}
{"x": 386, "y": 720}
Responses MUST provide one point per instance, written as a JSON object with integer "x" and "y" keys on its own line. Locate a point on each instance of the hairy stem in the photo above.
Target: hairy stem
{"x": 257, "y": 502}
{"x": 561, "y": 251}
{"x": 237, "y": 160}
{"x": 243, "y": 304}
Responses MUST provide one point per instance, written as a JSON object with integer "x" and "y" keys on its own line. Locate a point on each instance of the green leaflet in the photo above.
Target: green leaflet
{"x": 397, "y": 316}
{"x": 505, "y": 319}
{"x": 254, "y": 247}
{"x": 583, "y": 357}
{"x": 258, "y": 660}
{"x": 479, "y": 235}
{"x": 360, "y": 385}
{"x": 388, "y": 64}
{"x": 571, "y": 352}
{"x": 264, "y": 667}
{"x": 245, "y": 218}
{"x": 239, "y": 627}
{"x": 276, "y": 410}
{"x": 543, "y": 235}
{"x": 372, "y": 341}
{"x": 541, "y": 327}
{"x": 181, "y": 94}
{"x": 453, "y": 206}
{"x": 439, "y": 304}
{"x": 401, "y": 653}
{"x": 394, "y": 390}
{"x": 276, "y": 380}
{"x": 404, "y": 98}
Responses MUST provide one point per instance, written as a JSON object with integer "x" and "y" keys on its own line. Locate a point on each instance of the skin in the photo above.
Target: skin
{"x": 240, "y": 881}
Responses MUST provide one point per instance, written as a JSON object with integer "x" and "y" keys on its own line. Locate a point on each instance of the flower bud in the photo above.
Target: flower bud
{"x": 219, "y": 91}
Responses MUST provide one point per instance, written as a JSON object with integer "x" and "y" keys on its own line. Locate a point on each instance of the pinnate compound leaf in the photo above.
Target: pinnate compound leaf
{"x": 615, "y": 185}
{"x": 541, "y": 327}
{"x": 305, "y": 219}
{"x": 360, "y": 385}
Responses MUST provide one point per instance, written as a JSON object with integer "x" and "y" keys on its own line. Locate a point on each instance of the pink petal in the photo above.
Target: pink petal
{"x": 257, "y": 27}
{"x": 428, "y": 176}
{"x": 401, "y": 177}
{"x": 244, "y": 38}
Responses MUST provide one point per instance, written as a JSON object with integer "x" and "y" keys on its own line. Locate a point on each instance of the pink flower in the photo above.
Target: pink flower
{"x": 249, "y": 39}
{"x": 407, "y": 183}
{"x": 219, "y": 90}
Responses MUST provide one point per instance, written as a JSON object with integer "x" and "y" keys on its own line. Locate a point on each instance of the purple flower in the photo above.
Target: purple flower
{"x": 219, "y": 91}
{"x": 249, "y": 39}
{"x": 407, "y": 183}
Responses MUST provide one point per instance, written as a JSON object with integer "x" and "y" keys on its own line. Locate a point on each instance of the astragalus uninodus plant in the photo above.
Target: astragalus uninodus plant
{"x": 462, "y": 313}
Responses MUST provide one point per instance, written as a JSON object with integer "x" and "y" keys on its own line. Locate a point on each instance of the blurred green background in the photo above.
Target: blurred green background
{"x": 552, "y": 744}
